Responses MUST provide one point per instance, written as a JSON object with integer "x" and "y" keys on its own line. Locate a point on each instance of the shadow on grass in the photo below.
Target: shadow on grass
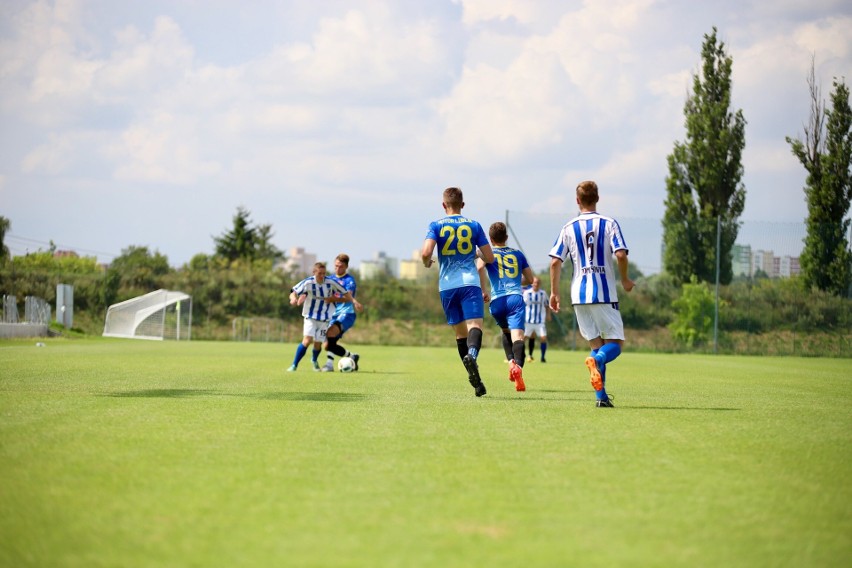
{"x": 161, "y": 393}
{"x": 189, "y": 393}
{"x": 714, "y": 409}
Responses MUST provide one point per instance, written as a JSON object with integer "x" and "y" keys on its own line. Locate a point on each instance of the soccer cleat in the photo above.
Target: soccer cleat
{"x": 328, "y": 367}
{"x": 594, "y": 373}
{"x": 543, "y": 360}
{"x": 473, "y": 375}
{"x": 316, "y": 365}
{"x": 355, "y": 358}
{"x": 516, "y": 375}
{"x": 605, "y": 403}
{"x": 291, "y": 368}
{"x": 531, "y": 359}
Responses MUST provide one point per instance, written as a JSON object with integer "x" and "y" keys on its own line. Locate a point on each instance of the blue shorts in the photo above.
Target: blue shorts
{"x": 508, "y": 311}
{"x": 461, "y": 304}
{"x": 345, "y": 321}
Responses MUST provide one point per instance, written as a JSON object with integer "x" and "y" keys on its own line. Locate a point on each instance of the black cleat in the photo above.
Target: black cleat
{"x": 473, "y": 375}
{"x": 355, "y": 358}
{"x": 605, "y": 403}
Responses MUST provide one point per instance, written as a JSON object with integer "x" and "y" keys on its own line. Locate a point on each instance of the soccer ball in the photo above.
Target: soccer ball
{"x": 346, "y": 365}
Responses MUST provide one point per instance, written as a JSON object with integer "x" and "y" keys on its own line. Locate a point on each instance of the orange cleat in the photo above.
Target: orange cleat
{"x": 516, "y": 375}
{"x": 594, "y": 373}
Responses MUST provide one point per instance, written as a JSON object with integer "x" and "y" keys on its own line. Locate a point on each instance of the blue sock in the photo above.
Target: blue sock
{"x": 610, "y": 352}
{"x": 315, "y": 355}
{"x": 543, "y": 349}
{"x": 300, "y": 352}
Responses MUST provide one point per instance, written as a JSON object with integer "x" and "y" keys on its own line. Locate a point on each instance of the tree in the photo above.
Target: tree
{"x": 140, "y": 271}
{"x": 5, "y": 225}
{"x": 826, "y": 154}
{"x": 704, "y": 191}
{"x": 246, "y": 241}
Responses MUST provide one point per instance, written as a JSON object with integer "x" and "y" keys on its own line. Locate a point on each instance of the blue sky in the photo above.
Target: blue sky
{"x": 340, "y": 122}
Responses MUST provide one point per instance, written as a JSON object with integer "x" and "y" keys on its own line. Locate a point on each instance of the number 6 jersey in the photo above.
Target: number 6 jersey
{"x": 591, "y": 240}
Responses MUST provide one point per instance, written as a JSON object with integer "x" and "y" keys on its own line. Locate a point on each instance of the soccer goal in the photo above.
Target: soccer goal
{"x": 162, "y": 314}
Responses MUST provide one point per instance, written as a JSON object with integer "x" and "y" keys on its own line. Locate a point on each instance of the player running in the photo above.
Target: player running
{"x": 344, "y": 315}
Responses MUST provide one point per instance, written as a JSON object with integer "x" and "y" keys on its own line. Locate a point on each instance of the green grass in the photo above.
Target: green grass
{"x": 133, "y": 453}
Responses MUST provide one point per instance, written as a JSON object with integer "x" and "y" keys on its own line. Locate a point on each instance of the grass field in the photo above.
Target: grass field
{"x": 133, "y": 453}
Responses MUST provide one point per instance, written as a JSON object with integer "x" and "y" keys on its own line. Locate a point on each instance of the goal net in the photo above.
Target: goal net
{"x": 162, "y": 314}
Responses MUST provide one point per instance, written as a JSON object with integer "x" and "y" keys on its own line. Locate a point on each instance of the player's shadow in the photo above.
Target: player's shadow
{"x": 189, "y": 393}
{"x": 161, "y": 393}
{"x": 308, "y": 396}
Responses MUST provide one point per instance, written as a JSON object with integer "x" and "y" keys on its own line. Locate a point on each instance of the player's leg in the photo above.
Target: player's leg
{"x": 472, "y": 308}
{"x": 543, "y": 345}
{"x": 531, "y": 350}
{"x": 612, "y": 329}
{"x": 301, "y": 349}
{"x": 590, "y": 331}
{"x": 506, "y": 340}
{"x": 332, "y": 336}
{"x": 315, "y": 355}
{"x": 529, "y": 329}
{"x": 515, "y": 326}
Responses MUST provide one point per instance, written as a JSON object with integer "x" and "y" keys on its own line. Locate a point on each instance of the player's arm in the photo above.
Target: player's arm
{"x": 621, "y": 261}
{"x": 484, "y": 282}
{"x": 426, "y": 252}
{"x": 555, "y": 274}
{"x": 486, "y": 254}
{"x": 527, "y": 276}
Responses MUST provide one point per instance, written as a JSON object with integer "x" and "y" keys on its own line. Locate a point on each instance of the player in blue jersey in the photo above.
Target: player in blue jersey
{"x": 509, "y": 271}
{"x": 344, "y": 315}
{"x": 317, "y": 295}
{"x": 457, "y": 239}
{"x": 537, "y": 314}
{"x": 591, "y": 240}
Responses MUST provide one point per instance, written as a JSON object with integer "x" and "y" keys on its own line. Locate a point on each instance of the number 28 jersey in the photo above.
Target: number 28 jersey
{"x": 591, "y": 240}
{"x": 457, "y": 238}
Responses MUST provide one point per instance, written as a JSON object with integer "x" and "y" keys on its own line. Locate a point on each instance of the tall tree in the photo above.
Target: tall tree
{"x": 703, "y": 185}
{"x": 5, "y": 225}
{"x": 826, "y": 154}
{"x": 246, "y": 241}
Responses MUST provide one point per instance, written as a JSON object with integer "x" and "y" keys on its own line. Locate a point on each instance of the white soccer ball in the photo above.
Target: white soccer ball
{"x": 346, "y": 365}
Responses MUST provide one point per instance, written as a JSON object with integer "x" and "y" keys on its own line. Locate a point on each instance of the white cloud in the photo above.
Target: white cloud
{"x": 386, "y": 102}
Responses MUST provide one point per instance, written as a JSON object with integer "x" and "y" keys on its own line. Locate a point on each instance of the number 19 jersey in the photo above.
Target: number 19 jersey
{"x": 457, "y": 239}
{"x": 591, "y": 240}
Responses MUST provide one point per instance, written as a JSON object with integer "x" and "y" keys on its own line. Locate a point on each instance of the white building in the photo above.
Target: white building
{"x": 380, "y": 264}
{"x": 299, "y": 262}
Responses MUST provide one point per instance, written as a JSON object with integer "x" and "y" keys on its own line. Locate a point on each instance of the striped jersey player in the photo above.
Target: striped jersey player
{"x": 591, "y": 240}
{"x": 318, "y": 297}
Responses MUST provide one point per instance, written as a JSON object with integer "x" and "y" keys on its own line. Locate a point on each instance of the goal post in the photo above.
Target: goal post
{"x": 158, "y": 315}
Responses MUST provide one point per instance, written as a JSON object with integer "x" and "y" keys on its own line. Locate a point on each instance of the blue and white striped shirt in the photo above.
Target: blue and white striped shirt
{"x": 591, "y": 240}
{"x": 536, "y": 305}
{"x": 315, "y": 306}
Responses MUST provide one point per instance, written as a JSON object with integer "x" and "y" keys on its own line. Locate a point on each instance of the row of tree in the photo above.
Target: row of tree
{"x": 705, "y": 197}
{"x": 705, "y": 194}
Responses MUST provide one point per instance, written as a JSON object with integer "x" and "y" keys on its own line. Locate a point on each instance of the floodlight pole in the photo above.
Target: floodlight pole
{"x": 718, "y": 264}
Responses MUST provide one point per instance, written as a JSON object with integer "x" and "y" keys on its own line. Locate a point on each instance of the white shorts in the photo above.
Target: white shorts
{"x": 537, "y": 328}
{"x": 599, "y": 320}
{"x": 315, "y": 329}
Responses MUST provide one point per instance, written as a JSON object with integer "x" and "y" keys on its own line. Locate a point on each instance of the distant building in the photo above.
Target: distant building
{"x": 379, "y": 265}
{"x": 773, "y": 266}
{"x": 413, "y": 268}
{"x": 741, "y": 260}
{"x": 65, "y": 254}
{"x": 298, "y": 261}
